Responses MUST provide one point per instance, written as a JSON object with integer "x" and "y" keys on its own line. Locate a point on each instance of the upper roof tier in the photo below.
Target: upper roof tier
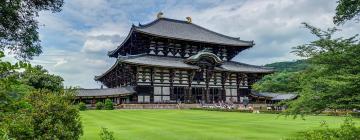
{"x": 184, "y": 30}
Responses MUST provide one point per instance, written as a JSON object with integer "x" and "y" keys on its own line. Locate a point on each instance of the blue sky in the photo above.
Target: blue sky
{"x": 76, "y": 40}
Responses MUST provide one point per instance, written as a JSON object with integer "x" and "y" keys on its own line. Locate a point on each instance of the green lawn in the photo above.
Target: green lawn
{"x": 195, "y": 125}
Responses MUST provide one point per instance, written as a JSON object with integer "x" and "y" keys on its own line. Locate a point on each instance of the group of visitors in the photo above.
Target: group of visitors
{"x": 220, "y": 105}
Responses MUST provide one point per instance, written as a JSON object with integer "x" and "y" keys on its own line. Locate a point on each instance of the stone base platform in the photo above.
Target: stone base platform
{"x": 157, "y": 106}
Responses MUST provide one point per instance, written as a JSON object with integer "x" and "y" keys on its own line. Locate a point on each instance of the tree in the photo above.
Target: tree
{"x": 289, "y": 66}
{"x": 54, "y": 116}
{"x": 282, "y": 82}
{"x": 347, "y": 10}
{"x": 30, "y": 113}
{"x": 333, "y": 80}
{"x": 18, "y": 25}
{"x": 39, "y": 78}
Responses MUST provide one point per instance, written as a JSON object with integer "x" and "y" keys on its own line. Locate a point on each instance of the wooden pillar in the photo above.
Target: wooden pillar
{"x": 224, "y": 76}
{"x": 189, "y": 90}
{"x": 172, "y": 74}
{"x": 203, "y": 92}
{"x": 184, "y": 89}
{"x": 207, "y": 91}
{"x": 191, "y": 74}
{"x": 93, "y": 101}
{"x": 119, "y": 100}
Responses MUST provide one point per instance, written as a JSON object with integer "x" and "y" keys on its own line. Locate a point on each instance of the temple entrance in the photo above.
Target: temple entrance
{"x": 197, "y": 93}
{"x": 215, "y": 95}
{"x": 179, "y": 94}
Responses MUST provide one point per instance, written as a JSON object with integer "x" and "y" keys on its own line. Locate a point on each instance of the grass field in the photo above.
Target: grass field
{"x": 196, "y": 125}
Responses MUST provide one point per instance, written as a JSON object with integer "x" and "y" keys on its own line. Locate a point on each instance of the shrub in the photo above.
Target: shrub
{"x": 54, "y": 116}
{"x": 99, "y": 105}
{"x": 109, "y": 104}
{"x": 106, "y": 135}
{"x": 51, "y": 115}
{"x": 82, "y": 106}
{"x": 347, "y": 131}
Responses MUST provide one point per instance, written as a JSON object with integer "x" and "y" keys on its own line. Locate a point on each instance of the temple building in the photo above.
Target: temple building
{"x": 171, "y": 61}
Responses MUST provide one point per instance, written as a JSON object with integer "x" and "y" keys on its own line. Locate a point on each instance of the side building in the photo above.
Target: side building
{"x": 170, "y": 61}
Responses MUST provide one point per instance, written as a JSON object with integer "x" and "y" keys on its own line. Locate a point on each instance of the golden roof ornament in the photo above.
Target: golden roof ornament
{"x": 160, "y": 15}
{"x": 188, "y": 19}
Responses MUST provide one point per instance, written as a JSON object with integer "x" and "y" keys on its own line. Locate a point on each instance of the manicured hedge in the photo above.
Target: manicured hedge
{"x": 99, "y": 105}
{"x": 109, "y": 104}
{"x": 82, "y": 106}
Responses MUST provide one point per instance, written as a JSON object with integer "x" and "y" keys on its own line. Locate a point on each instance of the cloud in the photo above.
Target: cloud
{"x": 60, "y": 62}
{"x": 101, "y": 43}
{"x": 76, "y": 40}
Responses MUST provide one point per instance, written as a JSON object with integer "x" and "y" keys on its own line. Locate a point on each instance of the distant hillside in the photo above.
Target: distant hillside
{"x": 290, "y": 66}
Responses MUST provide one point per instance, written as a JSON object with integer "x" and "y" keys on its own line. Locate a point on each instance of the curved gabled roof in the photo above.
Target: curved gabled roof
{"x": 175, "y": 62}
{"x": 183, "y": 30}
{"x": 204, "y": 53}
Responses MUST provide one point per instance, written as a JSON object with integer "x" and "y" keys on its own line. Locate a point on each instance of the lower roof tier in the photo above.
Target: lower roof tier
{"x": 121, "y": 91}
{"x": 174, "y": 62}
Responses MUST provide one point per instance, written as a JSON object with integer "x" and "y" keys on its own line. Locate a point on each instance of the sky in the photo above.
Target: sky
{"x": 76, "y": 41}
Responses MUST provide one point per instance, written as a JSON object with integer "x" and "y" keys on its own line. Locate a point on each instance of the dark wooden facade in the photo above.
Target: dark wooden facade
{"x": 201, "y": 80}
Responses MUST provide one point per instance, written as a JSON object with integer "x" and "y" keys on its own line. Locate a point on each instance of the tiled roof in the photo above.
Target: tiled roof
{"x": 105, "y": 92}
{"x": 275, "y": 96}
{"x": 184, "y": 30}
{"x": 176, "y": 62}
{"x": 284, "y": 97}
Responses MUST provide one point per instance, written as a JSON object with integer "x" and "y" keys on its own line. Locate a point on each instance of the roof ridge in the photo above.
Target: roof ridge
{"x": 270, "y": 68}
{"x": 220, "y": 34}
{"x": 186, "y": 22}
{"x": 103, "y": 88}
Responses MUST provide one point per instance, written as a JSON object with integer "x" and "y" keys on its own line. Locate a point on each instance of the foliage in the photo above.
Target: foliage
{"x": 99, "y": 105}
{"x": 347, "y": 10}
{"x": 105, "y": 134}
{"x": 48, "y": 116}
{"x": 30, "y": 113}
{"x": 11, "y": 89}
{"x": 289, "y": 66}
{"x": 282, "y": 82}
{"x": 285, "y": 80}
{"x": 39, "y": 78}
{"x": 109, "y": 105}
{"x": 347, "y": 131}
{"x": 82, "y": 106}
{"x": 18, "y": 25}
{"x": 55, "y": 116}
{"x": 333, "y": 80}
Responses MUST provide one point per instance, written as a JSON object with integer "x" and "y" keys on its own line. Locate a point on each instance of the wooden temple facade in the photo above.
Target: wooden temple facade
{"x": 169, "y": 61}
